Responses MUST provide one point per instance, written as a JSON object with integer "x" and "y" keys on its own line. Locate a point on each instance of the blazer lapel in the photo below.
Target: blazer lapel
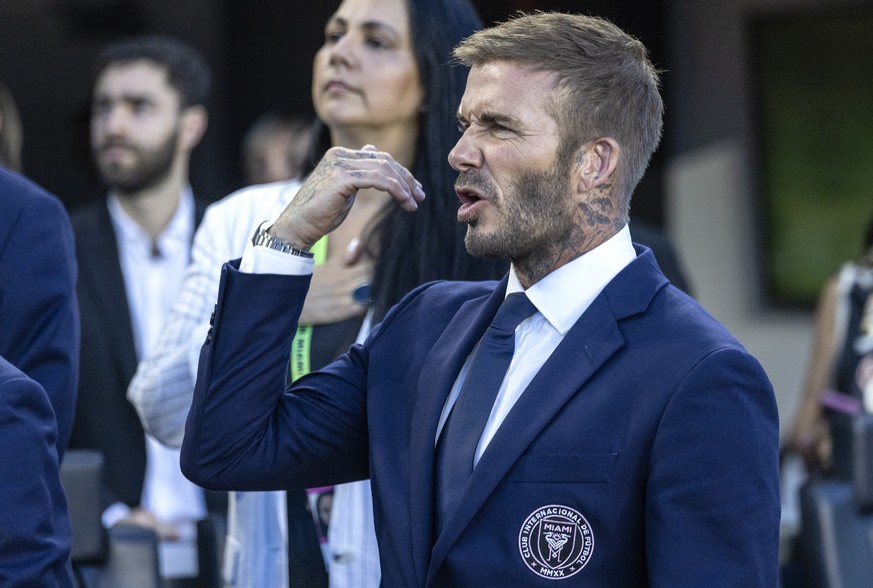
{"x": 100, "y": 259}
{"x": 438, "y": 374}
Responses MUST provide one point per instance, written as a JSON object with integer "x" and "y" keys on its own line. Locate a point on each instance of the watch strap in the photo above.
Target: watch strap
{"x": 263, "y": 238}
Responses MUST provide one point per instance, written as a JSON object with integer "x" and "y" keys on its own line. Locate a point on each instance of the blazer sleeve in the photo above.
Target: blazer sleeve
{"x": 245, "y": 429}
{"x": 35, "y": 532}
{"x": 38, "y": 307}
{"x": 718, "y": 439}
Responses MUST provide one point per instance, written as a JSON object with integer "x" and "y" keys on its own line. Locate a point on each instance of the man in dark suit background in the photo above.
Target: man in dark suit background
{"x": 631, "y": 441}
{"x": 148, "y": 114}
{"x": 39, "y": 317}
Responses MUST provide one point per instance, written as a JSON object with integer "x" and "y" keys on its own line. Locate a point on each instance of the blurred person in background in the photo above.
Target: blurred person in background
{"x": 148, "y": 114}
{"x": 839, "y": 375}
{"x": 275, "y": 147}
{"x": 35, "y": 532}
{"x": 39, "y": 314}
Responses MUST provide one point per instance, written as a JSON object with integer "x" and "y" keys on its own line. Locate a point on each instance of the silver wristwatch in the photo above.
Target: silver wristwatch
{"x": 264, "y": 239}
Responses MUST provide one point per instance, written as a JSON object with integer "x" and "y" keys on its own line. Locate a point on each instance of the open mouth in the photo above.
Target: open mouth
{"x": 467, "y": 196}
{"x": 471, "y": 201}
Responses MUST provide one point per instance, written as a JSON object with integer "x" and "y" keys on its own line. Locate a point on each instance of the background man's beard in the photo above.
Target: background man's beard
{"x": 149, "y": 169}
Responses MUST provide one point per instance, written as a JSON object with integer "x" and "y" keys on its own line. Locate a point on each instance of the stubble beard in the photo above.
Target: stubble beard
{"x": 534, "y": 217}
{"x": 149, "y": 168}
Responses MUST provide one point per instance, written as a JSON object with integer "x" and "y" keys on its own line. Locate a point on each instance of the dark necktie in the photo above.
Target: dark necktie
{"x": 466, "y": 421}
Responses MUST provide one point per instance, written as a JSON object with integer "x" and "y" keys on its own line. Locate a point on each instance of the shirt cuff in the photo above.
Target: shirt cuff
{"x": 114, "y": 513}
{"x": 263, "y": 260}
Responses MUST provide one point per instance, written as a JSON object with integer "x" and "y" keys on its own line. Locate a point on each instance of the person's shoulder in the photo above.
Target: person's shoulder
{"x": 662, "y": 312}
{"x": 686, "y": 324}
{"x": 19, "y": 193}
{"x": 229, "y": 222}
{"x": 254, "y": 198}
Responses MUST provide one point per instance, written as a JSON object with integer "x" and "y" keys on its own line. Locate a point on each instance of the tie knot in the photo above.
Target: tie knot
{"x": 514, "y": 309}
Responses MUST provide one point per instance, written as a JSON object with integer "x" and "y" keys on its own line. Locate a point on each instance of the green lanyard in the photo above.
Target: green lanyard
{"x": 301, "y": 346}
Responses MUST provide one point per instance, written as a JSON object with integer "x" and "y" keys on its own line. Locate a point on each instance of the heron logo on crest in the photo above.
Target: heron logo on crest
{"x": 555, "y": 542}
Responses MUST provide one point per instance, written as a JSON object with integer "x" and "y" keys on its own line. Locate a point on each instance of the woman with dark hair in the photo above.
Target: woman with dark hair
{"x": 383, "y": 77}
{"x": 428, "y": 245}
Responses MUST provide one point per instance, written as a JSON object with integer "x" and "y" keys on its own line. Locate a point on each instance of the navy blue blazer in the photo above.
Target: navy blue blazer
{"x": 644, "y": 453}
{"x": 35, "y": 532}
{"x": 39, "y": 315}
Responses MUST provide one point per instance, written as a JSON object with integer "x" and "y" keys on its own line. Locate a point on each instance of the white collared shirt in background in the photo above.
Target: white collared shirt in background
{"x": 153, "y": 273}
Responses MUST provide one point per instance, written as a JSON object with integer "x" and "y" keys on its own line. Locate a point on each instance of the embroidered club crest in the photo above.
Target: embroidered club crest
{"x": 555, "y": 542}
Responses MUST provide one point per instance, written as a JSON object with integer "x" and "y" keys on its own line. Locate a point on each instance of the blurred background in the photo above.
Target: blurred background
{"x": 763, "y": 180}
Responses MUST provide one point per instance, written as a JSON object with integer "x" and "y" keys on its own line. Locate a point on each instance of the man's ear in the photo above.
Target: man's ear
{"x": 597, "y": 161}
{"x": 193, "y": 124}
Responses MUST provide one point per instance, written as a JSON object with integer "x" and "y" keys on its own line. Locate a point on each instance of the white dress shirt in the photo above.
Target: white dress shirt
{"x": 153, "y": 274}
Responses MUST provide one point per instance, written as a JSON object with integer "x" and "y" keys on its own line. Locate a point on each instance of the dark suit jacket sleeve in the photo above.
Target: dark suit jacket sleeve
{"x": 35, "y": 534}
{"x": 38, "y": 308}
{"x": 713, "y": 487}
{"x": 244, "y": 430}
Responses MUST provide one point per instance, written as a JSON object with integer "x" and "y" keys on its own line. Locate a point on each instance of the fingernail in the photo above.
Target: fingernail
{"x": 353, "y": 245}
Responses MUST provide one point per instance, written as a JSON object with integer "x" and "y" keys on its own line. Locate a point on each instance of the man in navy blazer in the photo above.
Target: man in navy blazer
{"x": 632, "y": 442}
{"x": 35, "y": 532}
{"x": 39, "y": 315}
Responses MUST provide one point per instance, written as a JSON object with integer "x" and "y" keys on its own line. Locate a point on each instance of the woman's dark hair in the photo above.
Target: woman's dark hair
{"x": 427, "y": 245}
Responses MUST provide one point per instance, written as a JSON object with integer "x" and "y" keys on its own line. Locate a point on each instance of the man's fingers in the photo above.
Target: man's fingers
{"x": 326, "y": 196}
{"x": 409, "y": 191}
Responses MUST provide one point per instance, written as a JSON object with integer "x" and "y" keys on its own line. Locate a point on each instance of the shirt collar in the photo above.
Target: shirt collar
{"x": 566, "y": 293}
{"x": 178, "y": 229}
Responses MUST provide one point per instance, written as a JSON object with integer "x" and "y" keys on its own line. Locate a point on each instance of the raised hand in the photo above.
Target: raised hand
{"x": 324, "y": 200}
